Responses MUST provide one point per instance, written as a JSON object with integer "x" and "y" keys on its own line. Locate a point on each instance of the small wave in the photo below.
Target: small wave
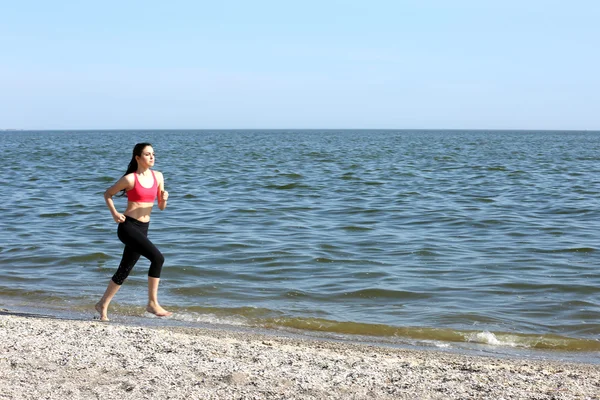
{"x": 284, "y": 187}
{"x": 484, "y": 200}
{"x": 569, "y": 211}
{"x": 374, "y": 183}
{"x": 354, "y": 228}
{"x": 198, "y": 290}
{"x": 55, "y": 215}
{"x": 245, "y": 210}
{"x": 426, "y": 253}
{"x": 349, "y": 176}
{"x": 248, "y": 316}
{"x": 439, "y": 336}
{"x": 408, "y": 194}
{"x": 232, "y": 246}
{"x": 27, "y": 249}
{"x": 530, "y": 341}
{"x": 212, "y": 319}
{"x": 292, "y": 175}
{"x": 83, "y": 258}
{"x": 486, "y": 338}
{"x": 578, "y": 250}
{"x": 296, "y": 294}
{"x": 568, "y": 250}
{"x": 382, "y": 294}
{"x": 370, "y": 275}
{"x": 278, "y": 269}
{"x": 524, "y": 287}
{"x": 492, "y": 222}
{"x": 318, "y": 156}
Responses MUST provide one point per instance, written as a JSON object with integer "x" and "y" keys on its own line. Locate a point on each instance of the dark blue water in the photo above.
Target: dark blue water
{"x": 427, "y": 236}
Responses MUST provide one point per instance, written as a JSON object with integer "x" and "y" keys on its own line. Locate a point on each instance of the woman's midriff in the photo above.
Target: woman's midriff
{"x": 139, "y": 211}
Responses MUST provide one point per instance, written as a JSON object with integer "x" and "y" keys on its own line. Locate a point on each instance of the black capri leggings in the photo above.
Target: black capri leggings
{"x": 134, "y": 234}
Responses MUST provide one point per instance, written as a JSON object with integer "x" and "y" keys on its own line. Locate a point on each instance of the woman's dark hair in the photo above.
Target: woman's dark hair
{"x": 133, "y": 166}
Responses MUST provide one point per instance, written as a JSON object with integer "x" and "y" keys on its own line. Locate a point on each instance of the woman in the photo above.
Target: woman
{"x": 142, "y": 186}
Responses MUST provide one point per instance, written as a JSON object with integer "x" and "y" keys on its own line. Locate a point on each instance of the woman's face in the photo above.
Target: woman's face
{"x": 146, "y": 160}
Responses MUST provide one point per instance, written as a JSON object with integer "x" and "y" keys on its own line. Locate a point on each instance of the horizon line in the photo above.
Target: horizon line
{"x": 298, "y": 129}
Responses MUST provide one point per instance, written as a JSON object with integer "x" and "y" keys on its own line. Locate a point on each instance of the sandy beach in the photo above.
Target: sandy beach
{"x": 47, "y": 358}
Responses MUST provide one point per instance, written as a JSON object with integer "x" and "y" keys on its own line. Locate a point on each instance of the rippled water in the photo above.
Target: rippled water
{"x": 455, "y": 236}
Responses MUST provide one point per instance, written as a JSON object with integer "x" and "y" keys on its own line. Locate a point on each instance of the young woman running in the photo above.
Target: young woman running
{"x": 142, "y": 186}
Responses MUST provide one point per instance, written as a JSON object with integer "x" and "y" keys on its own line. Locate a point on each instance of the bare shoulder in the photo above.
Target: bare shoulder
{"x": 124, "y": 183}
{"x": 129, "y": 178}
{"x": 127, "y": 182}
{"x": 159, "y": 175}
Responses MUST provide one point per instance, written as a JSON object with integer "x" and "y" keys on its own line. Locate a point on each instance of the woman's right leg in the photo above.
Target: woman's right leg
{"x": 126, "y": 233}
{"x": 102, "y": 305}
{"x": 128, "y": 261}
{"x": 135, "y": 236}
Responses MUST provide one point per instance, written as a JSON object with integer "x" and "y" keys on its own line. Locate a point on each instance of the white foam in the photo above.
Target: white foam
{"x": 487, "y": 337}
{"x": 210, "y": 319}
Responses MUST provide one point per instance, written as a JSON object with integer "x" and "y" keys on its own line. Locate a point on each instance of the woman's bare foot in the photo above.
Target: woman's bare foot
{"x": 156, "y": 309}
{"x": 103, "y": 311}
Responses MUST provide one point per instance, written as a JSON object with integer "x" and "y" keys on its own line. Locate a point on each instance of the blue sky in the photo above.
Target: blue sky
{"x": 300, "y": 64}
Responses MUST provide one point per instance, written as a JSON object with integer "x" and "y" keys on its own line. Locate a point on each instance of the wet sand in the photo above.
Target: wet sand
{"x": 73, "y": 359}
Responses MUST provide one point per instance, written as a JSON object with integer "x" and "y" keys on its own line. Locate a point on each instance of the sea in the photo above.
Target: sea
{"x": 453, "y": 240}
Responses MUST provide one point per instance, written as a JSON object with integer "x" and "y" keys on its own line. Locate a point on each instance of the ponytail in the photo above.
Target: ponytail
{"x": 133, "y": 165}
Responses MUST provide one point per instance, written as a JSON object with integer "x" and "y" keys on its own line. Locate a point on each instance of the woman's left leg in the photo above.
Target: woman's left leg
{"x": 138, "y": 241}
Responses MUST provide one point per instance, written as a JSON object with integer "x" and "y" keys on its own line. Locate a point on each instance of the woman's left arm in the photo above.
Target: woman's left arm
{"x": 163, "y": 195}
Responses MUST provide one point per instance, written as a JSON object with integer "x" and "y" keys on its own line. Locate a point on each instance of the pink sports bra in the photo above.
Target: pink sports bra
{"x": 141, "y": 194}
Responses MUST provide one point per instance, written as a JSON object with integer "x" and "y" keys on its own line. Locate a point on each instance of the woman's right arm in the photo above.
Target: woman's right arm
{"x": 125, "y": 183}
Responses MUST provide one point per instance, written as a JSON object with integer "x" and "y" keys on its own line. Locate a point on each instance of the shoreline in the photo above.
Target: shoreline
{"x": 78, "y": 359}
{"x": 481, "y": 344}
